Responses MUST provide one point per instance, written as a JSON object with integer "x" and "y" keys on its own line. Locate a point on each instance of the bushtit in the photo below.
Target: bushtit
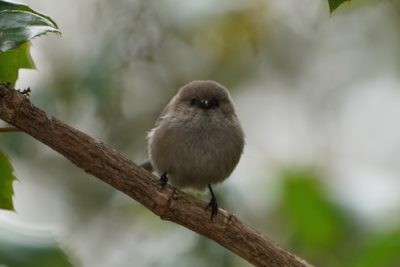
{"x": 197, "y": 141}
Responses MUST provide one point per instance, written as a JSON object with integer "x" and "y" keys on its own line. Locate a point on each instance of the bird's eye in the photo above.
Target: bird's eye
{"x": 215, "y": 102}
{"x": 193, "y": 101}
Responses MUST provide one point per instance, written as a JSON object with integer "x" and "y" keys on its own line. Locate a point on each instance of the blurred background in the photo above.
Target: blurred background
{"x": 318, "y": 95}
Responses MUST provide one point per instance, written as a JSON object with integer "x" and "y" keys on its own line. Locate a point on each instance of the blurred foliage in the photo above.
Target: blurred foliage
{"x": 6, "y": 183}
{"x": 325, "y": 233}
{"x": 334, "y": 4}
{"x": 208, "y": 253}
{"x": 233, "y": 40}
{"x": 378, "y": 250}
{"x": 21, "y": 250}
{"x": 314, "y": 226}
{"x": 309, "y": 214}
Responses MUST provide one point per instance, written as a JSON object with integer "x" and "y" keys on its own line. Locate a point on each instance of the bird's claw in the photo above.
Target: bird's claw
{"x": 214, "y": 207}
{"x": 163, "y": 180}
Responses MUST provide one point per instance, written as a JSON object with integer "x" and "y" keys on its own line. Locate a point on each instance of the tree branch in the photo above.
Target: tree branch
{"x": 105, "y": 163}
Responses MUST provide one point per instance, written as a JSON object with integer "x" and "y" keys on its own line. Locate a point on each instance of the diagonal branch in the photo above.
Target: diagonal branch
{"x": 105, "y": 163}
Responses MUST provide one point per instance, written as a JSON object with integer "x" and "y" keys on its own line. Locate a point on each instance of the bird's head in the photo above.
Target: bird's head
{"x": 204, "y": 98}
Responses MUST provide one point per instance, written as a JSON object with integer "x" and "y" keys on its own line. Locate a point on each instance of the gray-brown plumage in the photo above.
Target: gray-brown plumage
{"x": 197, "y": 140}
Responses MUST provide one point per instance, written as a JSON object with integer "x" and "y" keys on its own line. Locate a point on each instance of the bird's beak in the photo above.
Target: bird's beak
{"x": 205, "y": 104}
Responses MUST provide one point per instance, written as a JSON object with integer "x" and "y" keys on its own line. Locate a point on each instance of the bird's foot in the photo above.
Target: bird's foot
{"x": 214, "y": 207}
{"x": 213, "y": 203}
{"x": 163, "y": 180}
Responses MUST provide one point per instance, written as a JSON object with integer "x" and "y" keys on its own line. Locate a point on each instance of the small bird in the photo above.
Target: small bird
{"x": 197, "y": 141}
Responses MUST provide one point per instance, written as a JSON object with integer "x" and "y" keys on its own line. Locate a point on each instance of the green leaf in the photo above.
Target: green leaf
{"x": 333, "y": 4}
{"x": 10, "y": 5}
{"x": 6, "y": 180}
{"x": 315, "y": 222}
{"x": 18, "y": 24}
{"x": 17, "y": 27}
{"x": 13, "y": 60}
{"x": 381, "y": 250}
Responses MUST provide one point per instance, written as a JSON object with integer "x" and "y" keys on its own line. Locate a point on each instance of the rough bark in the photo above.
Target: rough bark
{"x": 105, "y": 163}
